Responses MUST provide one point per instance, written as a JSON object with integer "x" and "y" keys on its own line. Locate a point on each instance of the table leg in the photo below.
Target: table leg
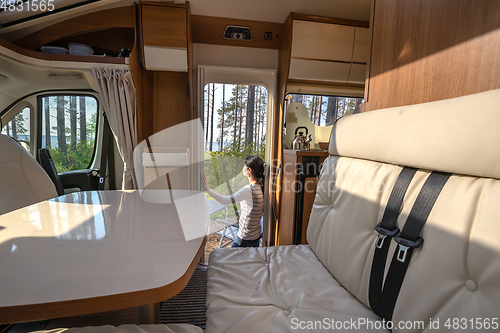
{"x": 149, "y": 313}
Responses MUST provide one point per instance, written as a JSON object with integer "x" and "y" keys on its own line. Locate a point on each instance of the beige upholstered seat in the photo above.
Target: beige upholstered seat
{"x": 170, "y": 328}
{"x": 22, "y": 180}
{"x": 455, "y": 274}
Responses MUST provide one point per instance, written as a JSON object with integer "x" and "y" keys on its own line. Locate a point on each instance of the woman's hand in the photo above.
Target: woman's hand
{"x": 204, "y": 182}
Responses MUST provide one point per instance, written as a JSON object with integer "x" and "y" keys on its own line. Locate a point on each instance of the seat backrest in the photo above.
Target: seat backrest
{"x": 456, "y": 273}
{"x": 22, "y": 181}
{"x": 49, "y": 167}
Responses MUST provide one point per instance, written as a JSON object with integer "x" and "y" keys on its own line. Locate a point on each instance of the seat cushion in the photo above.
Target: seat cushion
{"x": 22, "y": 181}
{"x": 277, "y": 289}
{"x": 171, "y": 328}
{"x": 454, "y": 274}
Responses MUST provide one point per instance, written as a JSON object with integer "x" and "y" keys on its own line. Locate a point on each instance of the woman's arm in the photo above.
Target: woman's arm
{"x": 242, "y": 194}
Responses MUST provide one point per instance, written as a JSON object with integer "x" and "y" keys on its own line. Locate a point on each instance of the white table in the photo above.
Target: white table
{"x": 90, "y": 252}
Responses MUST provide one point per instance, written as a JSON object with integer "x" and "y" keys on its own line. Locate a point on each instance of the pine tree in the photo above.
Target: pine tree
{"x": 331, "y": 110}
{"x": 61, "y": 131}
{"x": 48, "y": 141}
{"x": 212, "y": 117}
{"x": 83, "y": 119}
{"x": 221, "y": 145}
{"x": 72, "y": 121}
{"x": 250, "y": 116}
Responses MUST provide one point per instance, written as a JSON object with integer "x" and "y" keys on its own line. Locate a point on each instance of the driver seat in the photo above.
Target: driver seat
{"x": 23, "y": 182}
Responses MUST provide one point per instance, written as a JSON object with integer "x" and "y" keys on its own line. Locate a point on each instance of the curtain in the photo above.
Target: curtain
{"x": 117, "y": 94}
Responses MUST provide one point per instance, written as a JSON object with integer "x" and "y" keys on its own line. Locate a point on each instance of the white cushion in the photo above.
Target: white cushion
{"x": 22, "y": 180}
{"x": 460, "y": 250}
{"x": 170, "y": 328}
{"x": 458, "y": 135}
{"x": 275, "y": 289}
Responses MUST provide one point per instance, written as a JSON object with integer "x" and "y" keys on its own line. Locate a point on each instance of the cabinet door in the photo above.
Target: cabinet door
{"x": 164, "y": 26}
{"x": 164, "y": 31}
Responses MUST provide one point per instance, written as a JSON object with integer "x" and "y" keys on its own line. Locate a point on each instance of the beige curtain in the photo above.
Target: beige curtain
{"x": 117, "y": 94}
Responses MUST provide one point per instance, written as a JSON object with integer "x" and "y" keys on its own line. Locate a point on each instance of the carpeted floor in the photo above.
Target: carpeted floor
{"x": 189, "y": 305}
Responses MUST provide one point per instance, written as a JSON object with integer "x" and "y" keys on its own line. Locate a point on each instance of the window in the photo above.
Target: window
{"x": 69, "y": 124}
{"x": 235, "y": 118}
{"x": 19, "y": 128}
{"x": 325, "y": 110}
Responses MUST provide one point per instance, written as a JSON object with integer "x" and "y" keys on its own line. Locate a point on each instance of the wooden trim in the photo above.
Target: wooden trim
{"x": 143, "y": 83}
{"x": 285, "y": 52}
{"x": 165, "y": 4}
{"x": 325, "y": 83}
{"x": 210, "y": 30}
{"x": 368, "y": 65}
{"x": 111, "y": 18}
{"x": 23, "y": 313}
{"x": 329, "y": 60}
{"x": 190, "y": 60}
{"x": 321, "y": 19}
{"x": 310, "y": 152}
{"x": 61, "y": 57}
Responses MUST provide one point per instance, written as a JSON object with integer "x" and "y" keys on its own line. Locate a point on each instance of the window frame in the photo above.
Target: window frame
{"x": 7, "y": 116}
{"x": 316, "y": 95}
{"x": 39, "y": 122}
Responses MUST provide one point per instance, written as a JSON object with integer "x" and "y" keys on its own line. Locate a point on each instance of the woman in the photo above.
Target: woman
{"x": 252, "y": 202}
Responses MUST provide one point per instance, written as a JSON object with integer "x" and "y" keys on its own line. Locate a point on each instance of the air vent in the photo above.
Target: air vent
{"x": 239, "y": 33}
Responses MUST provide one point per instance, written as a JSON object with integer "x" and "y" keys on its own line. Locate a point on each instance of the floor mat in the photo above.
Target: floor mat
{"x": 189, "y": 305}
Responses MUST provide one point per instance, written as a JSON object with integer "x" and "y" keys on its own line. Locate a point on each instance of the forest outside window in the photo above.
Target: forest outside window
{"x": 68, "y": 130}
{"x": 19, "y": 128}
{"x": 235, "y": 119}
{"x": 325, "y": 110}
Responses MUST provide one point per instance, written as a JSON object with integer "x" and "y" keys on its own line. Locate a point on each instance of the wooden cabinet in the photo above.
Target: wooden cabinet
{"x": 300, "y": 176}
{"x": 329, "y": 51}
{"x": 165, "y": 37}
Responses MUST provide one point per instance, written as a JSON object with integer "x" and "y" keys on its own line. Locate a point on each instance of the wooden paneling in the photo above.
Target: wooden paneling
{"x": 190, "y": 60}
{"x": 164, "y": 26}
{"x": 162, "y": 96}
{"x": 210, "y": 30}
{"x": 122, "y": 17}
{"x": 278, "y": 120}
{"x": 170, "y": 101}
{"x": 321, "y": 19}
{"x": 424, "y": 51}
{"x": 143, "y": 81}
{"x": 286, "y": 222}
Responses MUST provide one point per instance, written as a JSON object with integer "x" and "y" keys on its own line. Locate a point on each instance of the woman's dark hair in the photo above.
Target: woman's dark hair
{"x": 256, "y": 163}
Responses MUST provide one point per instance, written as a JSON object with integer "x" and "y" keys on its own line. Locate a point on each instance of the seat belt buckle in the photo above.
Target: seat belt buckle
{"x": 101, "y": 178}
{"x": 404, "y": 245}
{"x": 383, "y": 234}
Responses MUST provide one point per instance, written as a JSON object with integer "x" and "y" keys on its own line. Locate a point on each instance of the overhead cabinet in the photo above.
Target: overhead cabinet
{"x": 164, "y": 33}
{"x": 328, "y": 52}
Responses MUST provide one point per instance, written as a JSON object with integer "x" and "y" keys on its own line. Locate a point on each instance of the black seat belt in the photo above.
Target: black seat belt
{"x": 387, "y": 229}
{"x": 409, "y": 239}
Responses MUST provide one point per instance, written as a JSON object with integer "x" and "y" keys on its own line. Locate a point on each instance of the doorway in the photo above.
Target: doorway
{"x": 236, "y": 107}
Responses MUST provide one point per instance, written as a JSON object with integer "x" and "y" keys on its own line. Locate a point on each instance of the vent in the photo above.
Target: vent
{"x": 239, "y": 33}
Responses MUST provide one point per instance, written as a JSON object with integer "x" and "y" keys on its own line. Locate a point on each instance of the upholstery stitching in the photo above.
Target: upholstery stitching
{"x": 471, "y": 225}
